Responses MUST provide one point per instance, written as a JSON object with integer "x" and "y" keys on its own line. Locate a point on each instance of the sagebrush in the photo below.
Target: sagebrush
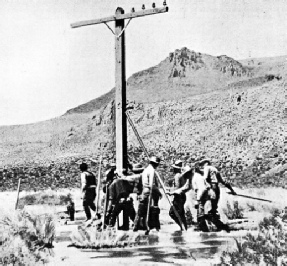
{"x": 26, "y": 239}
{"x": 44, "y": 198}
{"x": 233, "y": 211}
{"x": 268, "y": 247}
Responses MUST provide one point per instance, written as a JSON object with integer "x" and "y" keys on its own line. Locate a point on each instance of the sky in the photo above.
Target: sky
{"x": 46, "y": 67}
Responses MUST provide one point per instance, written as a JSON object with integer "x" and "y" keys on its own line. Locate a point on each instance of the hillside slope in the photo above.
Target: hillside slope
{"x": 183, "y": 73}
{"x": 188, "y": 106}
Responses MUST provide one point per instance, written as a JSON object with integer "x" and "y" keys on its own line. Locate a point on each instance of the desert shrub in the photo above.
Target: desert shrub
{"x": 233, "y": 212}
{"x": 46, "y": 197}
{"x": 86, "y": 238}
{"x": 26, "y": 239}
{"x": 109, "y": 238}
{"x": 268, "y": 246}
{"x": 251, "y": 207}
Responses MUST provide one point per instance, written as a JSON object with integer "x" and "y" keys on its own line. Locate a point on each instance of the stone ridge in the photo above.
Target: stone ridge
{"x": 238, "y": 121}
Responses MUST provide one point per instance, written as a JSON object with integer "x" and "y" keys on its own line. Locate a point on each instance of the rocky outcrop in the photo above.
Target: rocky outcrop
{"x": 240, "y": 123}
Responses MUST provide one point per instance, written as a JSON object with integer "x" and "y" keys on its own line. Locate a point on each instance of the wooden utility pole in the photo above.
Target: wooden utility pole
{"x": 121, "y": 95}
{"x": 121, "y": 122}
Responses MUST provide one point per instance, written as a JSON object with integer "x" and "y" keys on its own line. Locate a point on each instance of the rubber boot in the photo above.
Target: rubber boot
{"x": 154, "y": 218}
{"x": 215, "y": 219}
{"x": 140, "y": 217}
{"x": 201, "y": 223}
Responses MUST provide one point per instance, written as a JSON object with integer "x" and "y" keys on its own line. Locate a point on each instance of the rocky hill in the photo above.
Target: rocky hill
{"x": 183, "y": 73}
{"x": 189, "y": 105}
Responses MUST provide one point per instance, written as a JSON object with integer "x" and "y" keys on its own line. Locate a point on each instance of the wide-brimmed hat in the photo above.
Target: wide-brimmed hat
{"x": 138, "y": 167}
{"x": 178, "y": 164}
{"x": 154, "y": 159}
{"x": 186, "y": 169}
{"x": 203, "y": 161}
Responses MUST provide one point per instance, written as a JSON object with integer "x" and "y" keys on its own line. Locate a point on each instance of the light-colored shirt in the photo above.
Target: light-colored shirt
{"x": 199, "y": 185}
{"x": 148, "y": 177}
{"x": 211, "y": 175}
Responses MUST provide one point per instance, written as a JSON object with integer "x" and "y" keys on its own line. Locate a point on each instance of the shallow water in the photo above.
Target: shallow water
{"x": 168, "y": 246}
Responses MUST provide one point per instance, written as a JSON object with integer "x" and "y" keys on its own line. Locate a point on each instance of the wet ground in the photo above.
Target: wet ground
{"x": 167, "y": 247}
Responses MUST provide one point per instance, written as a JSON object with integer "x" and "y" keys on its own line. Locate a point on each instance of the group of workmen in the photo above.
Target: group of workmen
{"x": 202, "y": 177}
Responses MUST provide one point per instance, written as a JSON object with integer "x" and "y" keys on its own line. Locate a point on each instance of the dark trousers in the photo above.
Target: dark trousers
{"x": 71, "y": 211}
{"x": 213, "y": 215}
{"x": 201, "y": 217}
{"x": 178, "y": 202}
{"x": 88, "y": 201}
{"x": 214, "y": 202}
{"x": 141, "y": 216}
{"x": 122, "y": 205}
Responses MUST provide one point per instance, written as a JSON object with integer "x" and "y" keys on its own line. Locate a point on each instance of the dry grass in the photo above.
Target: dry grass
{"x": 108, "y": 238}
{"x": 47, "y": 197}
{"x": 234, "y": 211}
{"x": 212, "y": 124}
{"x": 26, "y": 239}
{"x": 268, "y": 247}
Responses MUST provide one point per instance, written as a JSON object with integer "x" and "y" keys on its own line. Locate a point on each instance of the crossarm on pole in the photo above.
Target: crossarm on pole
{"x": 141, "y": 13}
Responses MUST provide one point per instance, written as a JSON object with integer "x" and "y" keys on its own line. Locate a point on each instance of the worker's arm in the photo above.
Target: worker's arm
{"x": 187, "y": 186}
{"x": 96, "y": 179}
{"x": 83, "y": 182}
{"x": 112, "y": 193}
{"x": 205, "y": 172}
{"x": 184, "y": 188}
{"x": 225, "y": 183}
{"x": 151, "y": 177}
{"x": 202, "y": 186}
{"x": 155, "y": 188}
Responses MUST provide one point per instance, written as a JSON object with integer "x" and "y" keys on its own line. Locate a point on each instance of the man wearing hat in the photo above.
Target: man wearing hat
{"x": 110, "y": 175}
{"x": 138, "y": 188}
{"x": 136, "y": 178}
{"x": 150, "y": 187}
{"x": 213, "y": 177}
{"x": 88, "y": 188}
{"x": 182, "y": 183}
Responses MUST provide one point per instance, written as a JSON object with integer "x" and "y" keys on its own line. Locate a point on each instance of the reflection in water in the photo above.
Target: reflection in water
{"x": 170, "y": 247}
{"x": 177, "y": 238}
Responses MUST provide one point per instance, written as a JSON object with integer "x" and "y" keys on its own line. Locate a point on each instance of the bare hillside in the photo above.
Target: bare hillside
{"x": 188, "y": 106}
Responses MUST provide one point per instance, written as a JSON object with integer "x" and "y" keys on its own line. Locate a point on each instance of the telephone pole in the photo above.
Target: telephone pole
{"x": 120, "y": 102}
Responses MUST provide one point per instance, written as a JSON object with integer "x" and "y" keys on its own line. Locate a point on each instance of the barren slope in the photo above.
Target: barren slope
{"x": 189, "y": 105}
